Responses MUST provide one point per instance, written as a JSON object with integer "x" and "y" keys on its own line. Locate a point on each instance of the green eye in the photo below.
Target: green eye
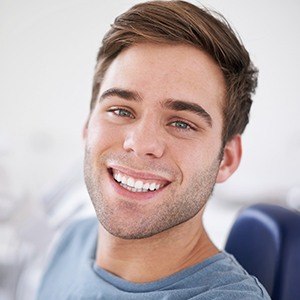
{"x": 122, "y": 112}
{"x": 181, "y": 125}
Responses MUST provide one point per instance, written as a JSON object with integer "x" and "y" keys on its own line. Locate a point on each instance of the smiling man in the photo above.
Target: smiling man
{"x": 171, "y": 98}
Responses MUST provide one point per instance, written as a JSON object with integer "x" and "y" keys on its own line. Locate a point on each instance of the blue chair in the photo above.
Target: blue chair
{"x": 265, "y": 240}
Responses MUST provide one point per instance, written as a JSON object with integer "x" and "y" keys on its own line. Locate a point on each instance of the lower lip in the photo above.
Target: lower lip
{"x": 133, "y": 195}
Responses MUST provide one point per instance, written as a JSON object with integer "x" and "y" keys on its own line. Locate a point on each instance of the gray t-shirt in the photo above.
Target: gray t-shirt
{"x": 73, "y": 274}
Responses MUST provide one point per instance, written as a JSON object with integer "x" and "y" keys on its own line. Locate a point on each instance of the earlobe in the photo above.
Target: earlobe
{"x": 85, "y": 129}
{"x": 231, "y": 158}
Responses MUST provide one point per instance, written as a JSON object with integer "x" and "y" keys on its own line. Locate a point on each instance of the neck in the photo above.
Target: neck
{"x": 158, "y": 256}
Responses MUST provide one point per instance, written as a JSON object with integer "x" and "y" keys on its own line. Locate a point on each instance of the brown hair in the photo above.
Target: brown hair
{"x": 182, "y": 22}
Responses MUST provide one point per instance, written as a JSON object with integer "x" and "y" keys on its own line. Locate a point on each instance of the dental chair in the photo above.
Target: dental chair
{"x": 265, "y": 240}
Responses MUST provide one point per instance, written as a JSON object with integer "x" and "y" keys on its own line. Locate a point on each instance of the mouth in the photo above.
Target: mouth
{"x": 137, "y": 183}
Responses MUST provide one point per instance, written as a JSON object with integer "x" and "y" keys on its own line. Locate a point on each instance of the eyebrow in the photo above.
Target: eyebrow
{"x": 121, "y": 93}
{"x": 172, "y": 104}
{"x": 179, "y": 105}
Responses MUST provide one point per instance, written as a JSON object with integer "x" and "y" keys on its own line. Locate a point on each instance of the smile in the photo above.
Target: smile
{"x": 137, "y": 185}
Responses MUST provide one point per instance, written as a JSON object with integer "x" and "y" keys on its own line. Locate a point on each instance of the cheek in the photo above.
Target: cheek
{"x": 102, "y": 135}
{"x": 196, "y": 156}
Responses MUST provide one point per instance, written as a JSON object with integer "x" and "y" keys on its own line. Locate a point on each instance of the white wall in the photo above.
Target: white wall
{"x": 48, "y": 51}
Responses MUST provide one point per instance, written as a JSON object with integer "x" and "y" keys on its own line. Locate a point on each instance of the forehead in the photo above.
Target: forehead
{"x": 160, "y": 72}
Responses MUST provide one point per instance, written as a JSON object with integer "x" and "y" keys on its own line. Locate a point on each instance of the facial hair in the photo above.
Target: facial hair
{"x": 131, "y": 220}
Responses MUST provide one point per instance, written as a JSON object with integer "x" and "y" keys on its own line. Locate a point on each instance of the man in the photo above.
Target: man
{"x": 171, "y": 98}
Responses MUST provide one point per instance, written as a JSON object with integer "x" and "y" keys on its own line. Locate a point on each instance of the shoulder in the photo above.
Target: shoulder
{"x": 79, "y": 230}
{"x": 75, "y": 247}
{"x": 228, "y": 280}
{"x": 80, "y": 235}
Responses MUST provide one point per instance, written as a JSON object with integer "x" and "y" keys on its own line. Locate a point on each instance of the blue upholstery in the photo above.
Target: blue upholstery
{"x": 265, "y": 239}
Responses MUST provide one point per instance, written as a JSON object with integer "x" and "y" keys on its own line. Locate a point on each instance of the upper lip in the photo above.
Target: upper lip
{"x": 139, "y": 174}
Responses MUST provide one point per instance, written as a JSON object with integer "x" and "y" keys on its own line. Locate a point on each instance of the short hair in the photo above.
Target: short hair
{"x": 180, "y": 22}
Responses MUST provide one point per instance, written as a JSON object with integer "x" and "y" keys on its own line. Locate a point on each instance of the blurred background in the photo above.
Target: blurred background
{"x": 48, "y": 51}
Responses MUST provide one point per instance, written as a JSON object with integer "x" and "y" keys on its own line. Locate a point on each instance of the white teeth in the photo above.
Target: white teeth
{"x": 138, "y": 184}
{"x": 152, "y": 186}
{"x": 146, "y": 186}
{"x": 124, "y": 180}
{"x": 130, "y": 182}
{"x": 118, "y": 177}
{"x": 134, "y": 185}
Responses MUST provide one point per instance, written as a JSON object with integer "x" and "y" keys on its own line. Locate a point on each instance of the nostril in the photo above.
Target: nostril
{"x": 143, "y": 145}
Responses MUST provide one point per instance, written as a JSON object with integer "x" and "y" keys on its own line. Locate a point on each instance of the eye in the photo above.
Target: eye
{"x": 181, "y": 125}
{"x": 121, "y": 112}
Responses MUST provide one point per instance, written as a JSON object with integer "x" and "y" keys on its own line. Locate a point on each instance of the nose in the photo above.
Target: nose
{"x": 145, "y": 139}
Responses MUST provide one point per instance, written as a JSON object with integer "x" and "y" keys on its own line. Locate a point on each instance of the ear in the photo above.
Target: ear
{"x": 85, "y": 128}
{"x": 231, "y": 158}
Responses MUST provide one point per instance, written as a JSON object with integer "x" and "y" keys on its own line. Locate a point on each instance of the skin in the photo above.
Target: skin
{"x": 140, "y": 133}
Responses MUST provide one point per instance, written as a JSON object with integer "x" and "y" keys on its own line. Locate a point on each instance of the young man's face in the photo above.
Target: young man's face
{"x": 153, "y": 140}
